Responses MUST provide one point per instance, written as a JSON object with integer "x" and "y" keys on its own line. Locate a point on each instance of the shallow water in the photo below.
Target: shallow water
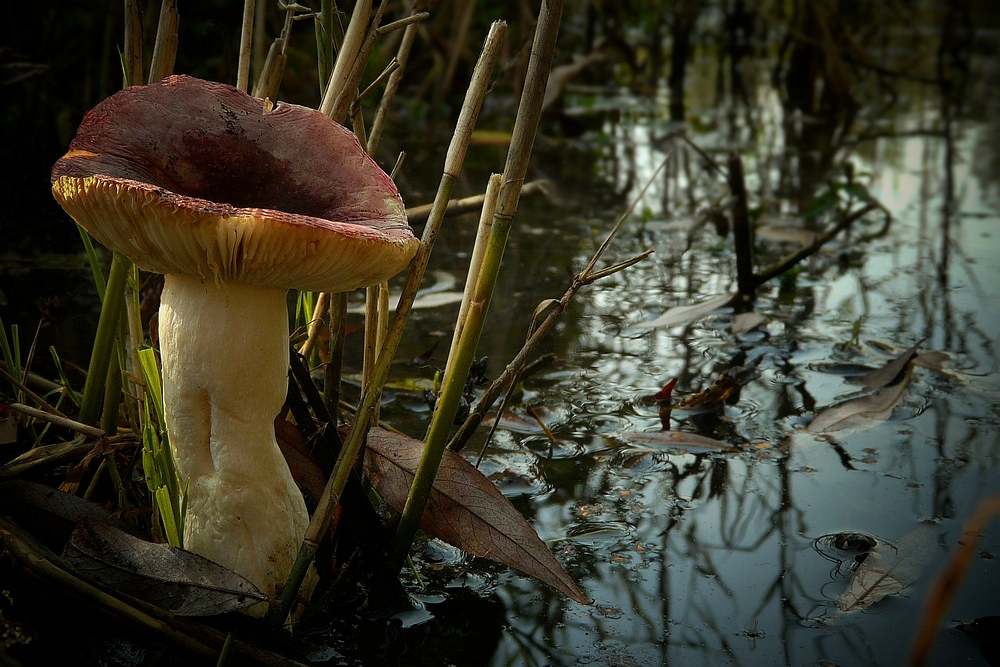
{"x": 711, "y": 558}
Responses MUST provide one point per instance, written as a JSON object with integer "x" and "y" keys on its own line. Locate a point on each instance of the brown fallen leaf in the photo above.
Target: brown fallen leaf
{"x": 179, "y": 581}
{"x": 888, "y": 570}
{"x": 296, "y": 451}
{"x": 861, "y": 413}
{"x": 889, "y": 373}
{"x": 465, "y": 510}
{"x": 720, "y": 392}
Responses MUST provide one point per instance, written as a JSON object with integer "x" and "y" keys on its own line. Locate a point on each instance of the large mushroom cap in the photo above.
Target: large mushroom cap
{"x": 191, "y": 177}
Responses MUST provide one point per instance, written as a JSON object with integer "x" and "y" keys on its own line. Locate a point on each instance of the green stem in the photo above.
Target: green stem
{"x": 522, "y": 140}
{"x": 107, "y": 328}
{"x": 364, "y": 418}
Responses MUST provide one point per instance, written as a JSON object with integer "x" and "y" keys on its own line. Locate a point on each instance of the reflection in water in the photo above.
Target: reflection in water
{"x": 697, "y": 558}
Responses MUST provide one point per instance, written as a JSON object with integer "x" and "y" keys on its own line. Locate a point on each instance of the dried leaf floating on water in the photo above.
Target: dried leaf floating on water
{"x": 178, "y": 581}
{"x": 888, "y": 570}
{"x": 675, "y": 440}
{"x": 684, "y": 314}
{"x": 861, "y": 413}
{"x": 890, "y": 373}
{"x": 465, "y": 509}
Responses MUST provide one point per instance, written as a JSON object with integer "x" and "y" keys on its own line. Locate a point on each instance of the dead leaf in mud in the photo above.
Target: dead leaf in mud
{"x": 465, "y": 509}
{"x": 684, "y": 314}
{"x": 861, "y": 413}
{"x": 50, "y": 514}
{"x": 176, "y": 580}
{"x": 675, "y": 440}
{"x": 297, "y": 453}
{"x": 889, "y": 373}
{"x": 888, "y": 570}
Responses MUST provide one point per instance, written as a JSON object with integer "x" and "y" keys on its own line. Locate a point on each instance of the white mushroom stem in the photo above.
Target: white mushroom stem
{"x": 225, "y": 362}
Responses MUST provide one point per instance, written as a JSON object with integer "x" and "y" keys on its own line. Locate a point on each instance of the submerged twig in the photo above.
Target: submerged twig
{"x": 802, "y": 253}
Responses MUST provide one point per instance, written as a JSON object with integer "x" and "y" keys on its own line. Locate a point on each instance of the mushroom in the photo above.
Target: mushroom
{"x": 234, "y": 203}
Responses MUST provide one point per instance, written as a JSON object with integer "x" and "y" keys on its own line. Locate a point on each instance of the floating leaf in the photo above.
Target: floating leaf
{"x": 888, "y": 570}
{"x": 861, "y": 413}
{"x": 179, "y": 581}
{"x": 464, "y": 510}
{"x": 684, "y": 314}
{"x": 438, "y": 294}
{"x": 721, "y": 391}
{"x": 746, "y": 322}
{"x": 676, "y": 440}
{"x": 889, "y": 373}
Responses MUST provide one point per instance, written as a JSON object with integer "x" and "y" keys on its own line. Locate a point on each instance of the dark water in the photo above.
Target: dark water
{"x": 696, "y": 558}
{"x": 700, "y": 557}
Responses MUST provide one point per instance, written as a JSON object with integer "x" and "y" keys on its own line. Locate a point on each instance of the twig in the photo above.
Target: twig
{"x": 741, "y": 228}
{"x": 58, "y": 420}
{"x": 794, "y": 258}
{"x": 401, "y": 23}
{"x": 133, "y": 44}
{"x": 513, "y": 369}
{"x": 417, "y": 214}
{"x": 402, "y": 54}
{"x": 30, "y": 394}
{"x": 948, "y": 581}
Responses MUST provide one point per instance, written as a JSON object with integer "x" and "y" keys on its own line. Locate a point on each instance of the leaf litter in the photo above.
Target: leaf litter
{"x": 465, "y": 509}
{"x": 889, "y": 569}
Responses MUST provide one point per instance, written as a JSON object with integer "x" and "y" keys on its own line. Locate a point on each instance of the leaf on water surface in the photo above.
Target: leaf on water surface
{"x": 465, "y": 509}
{"x": 675, "y": 440}
{"x": 720, "y": 391}
{"x": 889, "y": 373}
{"x": 684, "y": 314}
{"x": 179, "y": 581}
{"x": 861, "y": 413}
{"x": 888, "y": 570}
{"x": 746, "y": 322}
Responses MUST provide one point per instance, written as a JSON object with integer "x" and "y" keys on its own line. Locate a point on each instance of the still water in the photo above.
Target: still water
{"x": 709, "y": 558}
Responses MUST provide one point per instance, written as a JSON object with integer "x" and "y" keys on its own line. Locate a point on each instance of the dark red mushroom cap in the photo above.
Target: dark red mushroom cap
{"x": 192, "y": 177}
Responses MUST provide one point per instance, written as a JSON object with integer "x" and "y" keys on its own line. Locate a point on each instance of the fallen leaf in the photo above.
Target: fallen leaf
{"x": 720, "y": 391}
{"x": 181, "y": 582}
{"x": 746, "y": 322}
{"x": 888, "y": 570}
{"x": 889, "y": 373}
{"x": 684, "y": 314}
{"x": 298, "y": 455}
{"x": 861, "y": 413}
{"x": 465, "y": 509}
{"x": 438, "y": 294}
{"x": 49, "y": 513}
{"x": 675, "y": 440}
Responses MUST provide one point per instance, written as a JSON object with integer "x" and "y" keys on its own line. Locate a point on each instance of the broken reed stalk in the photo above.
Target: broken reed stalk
{"x": 516, "y": 365}
{"x": 466, "y": 204}
{"x": 246, "y": 39}
{"x": 522, "y": 141}
{"x": 802, "y": 253}
{"x": 165, "y": 48}
{"x": 402, "y": 55}
{"x": 948, "y": 581}
{"x": 320, "y": 522}
{"x": 323, "y": 24}
{"x": 133, "y": 44}
{"x": 58, "y": 420}
{"x": 741, "y": 228}
{"x": 354, "y": 39}
{"x": 338, "y": 336}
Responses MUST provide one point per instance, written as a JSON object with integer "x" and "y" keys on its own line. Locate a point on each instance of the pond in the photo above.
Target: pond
{"x": 694, "y": 555}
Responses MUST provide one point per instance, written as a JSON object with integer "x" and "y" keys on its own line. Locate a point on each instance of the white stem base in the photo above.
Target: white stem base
{"x": 225, "y": 375}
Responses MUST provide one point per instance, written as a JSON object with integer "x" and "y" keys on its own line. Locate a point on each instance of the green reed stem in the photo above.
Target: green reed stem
{"x": 363, "y": 419}
{"x": 107, "y": 329}
{"x": 522, "y": 141}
